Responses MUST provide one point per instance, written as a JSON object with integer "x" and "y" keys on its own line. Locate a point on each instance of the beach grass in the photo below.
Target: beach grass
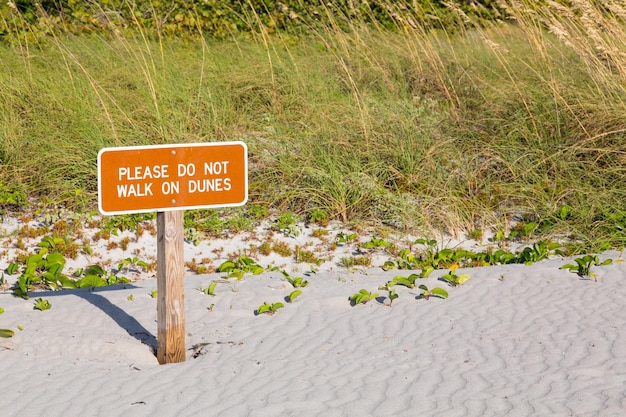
{"x": 459, "y": 131}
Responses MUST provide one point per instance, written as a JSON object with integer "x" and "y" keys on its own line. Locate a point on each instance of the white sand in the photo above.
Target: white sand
{"x": 512, "y": 341}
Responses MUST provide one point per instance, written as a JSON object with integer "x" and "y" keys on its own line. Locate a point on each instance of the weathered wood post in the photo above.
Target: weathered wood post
{"x": 170, "y": 287}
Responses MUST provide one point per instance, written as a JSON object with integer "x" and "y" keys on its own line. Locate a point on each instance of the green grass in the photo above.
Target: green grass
{"x": 427, "y": 132}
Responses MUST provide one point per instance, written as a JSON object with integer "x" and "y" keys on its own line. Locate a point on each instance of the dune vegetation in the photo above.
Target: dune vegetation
{"x": 458, "y": 118}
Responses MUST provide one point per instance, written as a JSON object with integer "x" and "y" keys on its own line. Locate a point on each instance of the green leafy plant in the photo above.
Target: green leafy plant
{"x": 192, "y": 235}
{"x": 527, "y": 230}
{"x": 346, "y": 238}
{"x": 6, "y": 333}
{"x": 432, "y": 257}
{"x": 268, "y": 308}
{"x": 499, "y": 257}
{"x": 40, "y": 270}
{"x": 375, "y": 243}
{"x": 437, "y": 292}
{"x": 50, "y": 244}
{"x": 296, "y": 282}
{"x": 426, "y": 242}
{"x": 128, "y": 263}
{"x": 239, "y": 267}
{"x": 95, "y": 276}
{"x": 537, "y": 252}
{"x": 455, "y": 280}
{"x": 404, "y": 260}
{"x": 583, "y": 265}
{"x": 362, "y": 297}
{"x": 408, "y": 282}
{"x": 318, "y": 216}
{"x": 42, "y": 304}
{"x": 392, "y": 295}
{"x": 563, "y": 213}
{"x": 13, "y": 195}
{"x": 287, "y": 224}
{"x": 293, "y": 295}
{"x": 210, "y": 290}
{"x": 13, "y": 268}
{"x": 45, "y": 270}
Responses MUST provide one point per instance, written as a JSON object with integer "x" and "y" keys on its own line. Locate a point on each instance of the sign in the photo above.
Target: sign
{"x": 137, "y": 179}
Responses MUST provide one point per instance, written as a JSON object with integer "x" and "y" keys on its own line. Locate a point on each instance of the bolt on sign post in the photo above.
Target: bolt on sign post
{"x": 169, "y": 179}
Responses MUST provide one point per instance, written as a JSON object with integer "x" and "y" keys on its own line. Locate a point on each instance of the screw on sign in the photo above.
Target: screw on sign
{"x": 169, "y": 179}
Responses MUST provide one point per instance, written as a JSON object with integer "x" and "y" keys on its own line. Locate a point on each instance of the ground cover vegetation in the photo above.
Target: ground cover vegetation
{"x": 459, "y": 118}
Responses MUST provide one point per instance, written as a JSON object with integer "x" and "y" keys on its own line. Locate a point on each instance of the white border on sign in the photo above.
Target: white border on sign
{"x": 178, "y": 145}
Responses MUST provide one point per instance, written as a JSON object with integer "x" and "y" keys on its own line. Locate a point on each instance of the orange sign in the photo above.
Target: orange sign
{"x": 137, "y": 179}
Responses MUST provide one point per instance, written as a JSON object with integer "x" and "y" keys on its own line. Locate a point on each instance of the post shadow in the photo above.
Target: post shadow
{"x": 118, "y": 315}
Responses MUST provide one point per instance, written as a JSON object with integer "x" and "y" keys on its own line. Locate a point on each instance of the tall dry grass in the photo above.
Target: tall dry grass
{"x": 429, "y": 131}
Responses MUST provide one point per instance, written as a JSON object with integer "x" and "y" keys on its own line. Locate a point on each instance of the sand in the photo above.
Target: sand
{"x": 514, "y": 340}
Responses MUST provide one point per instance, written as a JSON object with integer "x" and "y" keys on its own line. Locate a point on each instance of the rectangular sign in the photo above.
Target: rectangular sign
{"x": 137, "y": 179}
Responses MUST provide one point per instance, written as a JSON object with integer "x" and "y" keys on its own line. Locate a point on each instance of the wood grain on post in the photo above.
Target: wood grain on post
{"x": 170, "y": 287}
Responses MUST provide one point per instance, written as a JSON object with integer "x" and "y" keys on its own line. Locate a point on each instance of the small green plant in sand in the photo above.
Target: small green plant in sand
{"x": 95, "y": 276}
{"x": 293, "y": 295}
{"x": 582, "y": 266}
{"x": 286, "y": 223}
{"x": 376, "y": 243}
{"x": 132, "y": 263}
{"x": 50, "y": 244}
{"x": 44, "y": 270}
{"x": 392, "y": 295}
{"x": 538, "y": 252}
{"x": 435, "y": 292}
{"x": 319, "y": 216}
{"x": 39, "y": 270}
{"x": 267, "y": 308}
{"x": 430, "y": 258}
{"x": 193, "y": 235}
{"x": 296, "y": 282}
{"x": 404, "y": 260}
{"x": 408, "y": 282}
{"x": 346, "y": 238}
{"x": 526, "y": 230}
{"x": 42, "y": 304}
{"x": 6, "y": 333}
{"x": 455, "y": 280}
{"x": 210, "y": 290}
{"x": 498, "y": 257}
{"x": 239, "y": 267}
{"x": 12, "y": 268}
{"x": 362, "y": 297}
{"x": 522, "y": 231}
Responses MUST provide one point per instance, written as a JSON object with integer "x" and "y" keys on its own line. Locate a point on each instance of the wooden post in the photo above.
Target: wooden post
{"x": 170, "y": 286}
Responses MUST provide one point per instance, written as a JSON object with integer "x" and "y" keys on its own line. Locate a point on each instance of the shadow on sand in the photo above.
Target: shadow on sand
{"x": 119, "y": 316}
